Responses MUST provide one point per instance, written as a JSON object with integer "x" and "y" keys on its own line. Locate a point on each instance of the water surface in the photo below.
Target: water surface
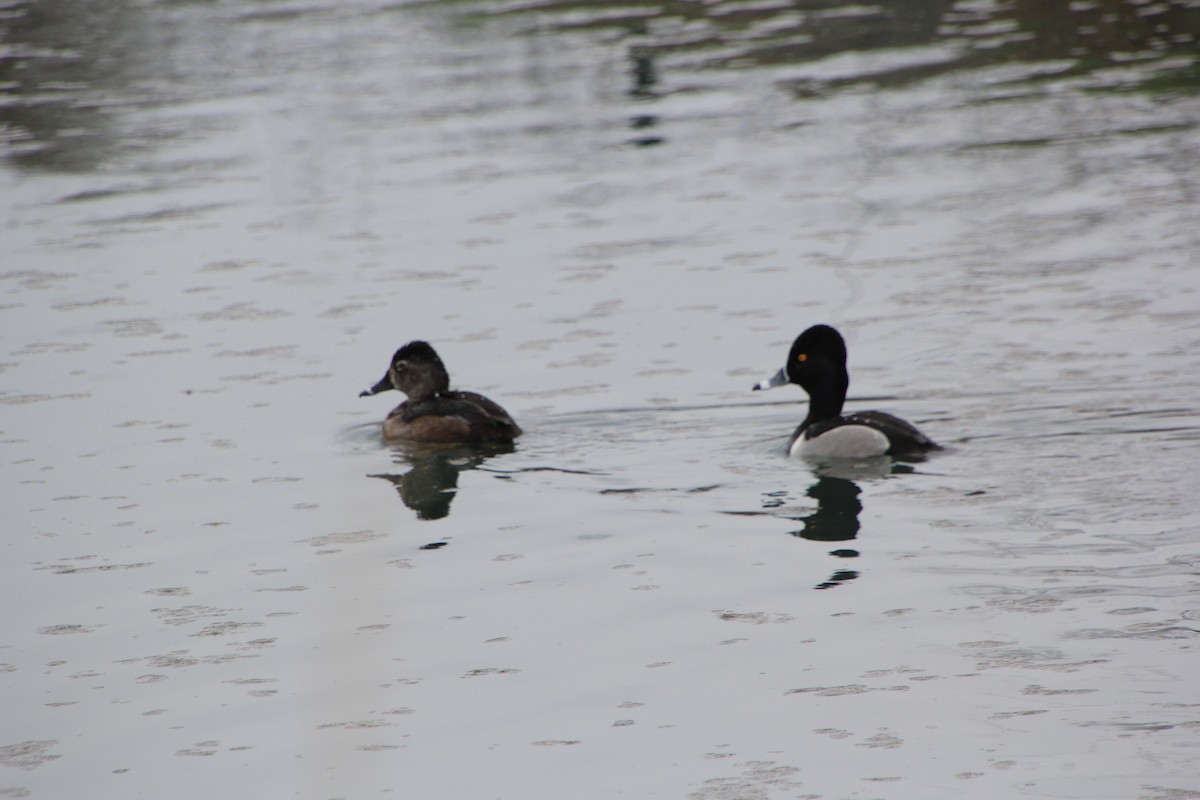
{"x": 219, "y": 220}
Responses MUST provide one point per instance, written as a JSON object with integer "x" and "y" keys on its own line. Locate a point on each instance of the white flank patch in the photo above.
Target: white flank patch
{"x": 844, "y": 441}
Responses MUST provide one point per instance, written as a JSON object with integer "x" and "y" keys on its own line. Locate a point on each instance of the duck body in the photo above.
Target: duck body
{"x": 433, "y": 413}
{"x": 865, "y": 434}
{"x": 817, "y": 363}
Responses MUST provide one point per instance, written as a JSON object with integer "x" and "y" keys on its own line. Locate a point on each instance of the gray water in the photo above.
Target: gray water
{"x": 220, "y": 219}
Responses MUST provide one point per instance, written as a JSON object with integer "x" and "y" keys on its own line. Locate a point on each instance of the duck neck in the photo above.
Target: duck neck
{"x": 423, "y": 392}
{"x": 825, "y": 399}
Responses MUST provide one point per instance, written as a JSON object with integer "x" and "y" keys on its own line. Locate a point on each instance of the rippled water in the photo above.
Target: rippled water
{"x": 220, "y": 219}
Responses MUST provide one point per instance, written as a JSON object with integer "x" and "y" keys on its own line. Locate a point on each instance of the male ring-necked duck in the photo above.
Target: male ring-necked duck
{"x": 817, "y": 362}
{"x": 433, "y": 413}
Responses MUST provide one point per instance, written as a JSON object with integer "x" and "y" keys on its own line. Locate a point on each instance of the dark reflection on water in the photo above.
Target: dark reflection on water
{"x": 835, "y": 519}
{"x": 431, "y": 483}
{"x": 1086, "y": 36}
{"x": 836, "y": 516}
{"x": 838, "y": 505}
{"x": 68, "y": 68}
{"x": 71, "y": 69}
{"x": 645, "y": 77}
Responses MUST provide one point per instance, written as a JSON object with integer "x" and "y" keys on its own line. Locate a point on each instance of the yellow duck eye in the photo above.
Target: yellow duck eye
{"x": 802, "y": 357}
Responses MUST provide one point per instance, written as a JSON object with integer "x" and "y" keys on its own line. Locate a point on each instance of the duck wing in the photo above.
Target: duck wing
{"x": 903, "y": 435}
{"x": 485, "y": 417}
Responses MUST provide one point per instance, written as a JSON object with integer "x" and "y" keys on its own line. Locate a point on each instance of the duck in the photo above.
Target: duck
{"x": 433, "y": 413}
{"x": 817, "y": 363}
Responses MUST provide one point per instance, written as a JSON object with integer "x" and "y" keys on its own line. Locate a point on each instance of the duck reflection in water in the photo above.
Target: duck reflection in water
{"x": 431, "y": 483}
{"x": 836, "y": 516}
{"x": 834, "y": 520}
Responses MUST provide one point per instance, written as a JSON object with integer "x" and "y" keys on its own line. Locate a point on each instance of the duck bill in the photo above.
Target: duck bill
{"x": 384, "y": 384}
{"x": 778, "y": 379}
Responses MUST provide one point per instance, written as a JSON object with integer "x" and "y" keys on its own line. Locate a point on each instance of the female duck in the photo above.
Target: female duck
{"x": 817, "y": 362}
{"x": 433, "y": 413}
